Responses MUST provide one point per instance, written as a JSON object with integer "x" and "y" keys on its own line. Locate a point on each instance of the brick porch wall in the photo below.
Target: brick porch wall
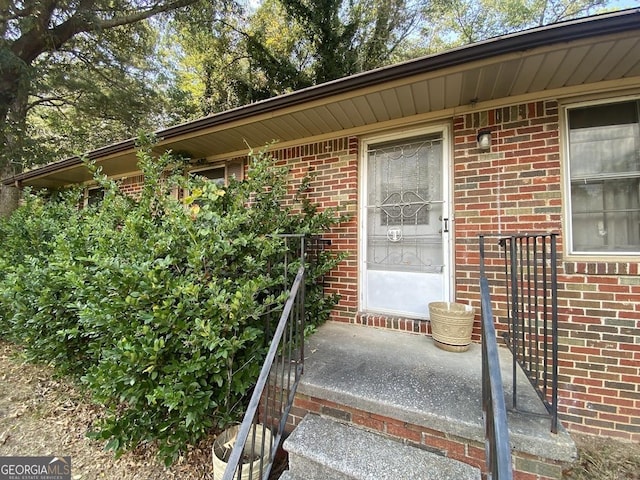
{"x": 516, "y": 188}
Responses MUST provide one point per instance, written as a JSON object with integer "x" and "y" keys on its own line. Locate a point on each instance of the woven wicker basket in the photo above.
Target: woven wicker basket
{"x": 451, "y": 325}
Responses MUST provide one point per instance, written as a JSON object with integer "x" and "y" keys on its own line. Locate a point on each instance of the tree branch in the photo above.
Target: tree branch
{"x": 38, "y": 40}
{"x": 7, "y": 14}
{"x": 141, "y": 15}
{"x": 56, "y": 101}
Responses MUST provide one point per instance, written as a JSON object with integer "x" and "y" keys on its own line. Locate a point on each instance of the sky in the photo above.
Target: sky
{"x": 626, "y": 3}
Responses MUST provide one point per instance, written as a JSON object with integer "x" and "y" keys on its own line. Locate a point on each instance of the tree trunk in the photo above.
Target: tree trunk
{"x": 9, "y": 195}
{"x": 12, "y": 131}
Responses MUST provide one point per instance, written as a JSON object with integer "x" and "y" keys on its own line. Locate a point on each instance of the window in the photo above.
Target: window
{"x": 93, "y": 196}
{"x": 604, "y": 176}
{"x": 216, "y": 175}
{"x": 222, "y": 173}
{"x": 219, "y": 173}
{"x": 405, "y": 185}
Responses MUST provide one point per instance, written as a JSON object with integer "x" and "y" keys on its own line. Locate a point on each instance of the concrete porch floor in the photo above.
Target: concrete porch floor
{"x": 406, "y": 377}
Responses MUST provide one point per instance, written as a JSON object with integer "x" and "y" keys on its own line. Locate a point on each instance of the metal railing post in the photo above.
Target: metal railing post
{"x": 554, "y": 335}
{"x": 514, "y": 316}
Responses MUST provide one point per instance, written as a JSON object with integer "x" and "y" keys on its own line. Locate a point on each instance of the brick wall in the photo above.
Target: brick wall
{"x": 516, "y": 188}
{"x": 330, "y": 169}
{"x": 131, "y": 186}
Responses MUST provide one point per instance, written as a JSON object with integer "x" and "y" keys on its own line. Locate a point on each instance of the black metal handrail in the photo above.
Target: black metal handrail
{"x": 530, "y": 266}
{"x": 260, "y": 434}
{"x": 264, "y": 422}
{"x": 498, "y": 451}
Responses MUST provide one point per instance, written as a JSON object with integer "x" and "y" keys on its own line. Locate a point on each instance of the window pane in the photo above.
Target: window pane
{"x": 606, "y": 215}
{"x": 603, "y": 115}
{"x": 604, "y": 140}
{"x": 214, "y": 174}
{"x": 404, "y": 205}
{"x": 406, "y": 180}
{"x": 604, "y": 149}
{"x": 94, "y": 196}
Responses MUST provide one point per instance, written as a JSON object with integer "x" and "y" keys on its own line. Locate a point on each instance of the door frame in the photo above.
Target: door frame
{"x": 447, "y": 184}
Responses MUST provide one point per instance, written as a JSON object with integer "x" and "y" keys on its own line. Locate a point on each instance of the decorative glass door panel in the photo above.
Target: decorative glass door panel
{"x": 405, "y": 210}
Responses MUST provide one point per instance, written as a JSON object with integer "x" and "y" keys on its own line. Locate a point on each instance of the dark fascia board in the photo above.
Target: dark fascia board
{"x": 570, "y": 30}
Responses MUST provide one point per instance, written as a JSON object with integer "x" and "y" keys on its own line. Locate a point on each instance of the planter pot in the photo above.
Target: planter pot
{"x": 451, "y": 325}
{"x": 223, "y": 445}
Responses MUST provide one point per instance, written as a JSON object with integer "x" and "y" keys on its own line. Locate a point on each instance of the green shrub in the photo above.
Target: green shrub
{"x": 29, "y": 303}
{"x": 157, "y": 306}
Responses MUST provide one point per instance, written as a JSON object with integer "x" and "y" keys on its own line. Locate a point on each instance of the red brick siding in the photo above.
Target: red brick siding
{"x": 131, "y": 186}
{"x": 394, "y": 323}
{"x": 516, "y": 188}
{"x": 331, "y": 169}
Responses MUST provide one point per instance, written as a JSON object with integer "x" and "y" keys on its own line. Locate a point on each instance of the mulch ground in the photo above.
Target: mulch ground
{"x": 605, "y": 459}
{"x": 42, "y": 415}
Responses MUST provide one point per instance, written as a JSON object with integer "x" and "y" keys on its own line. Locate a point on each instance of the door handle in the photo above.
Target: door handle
{"x": 446, "y": 225}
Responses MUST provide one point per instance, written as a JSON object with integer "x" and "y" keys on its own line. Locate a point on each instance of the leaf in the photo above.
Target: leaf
{"x": 113, "y": 444}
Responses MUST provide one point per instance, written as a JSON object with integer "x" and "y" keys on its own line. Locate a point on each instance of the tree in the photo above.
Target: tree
{"x": 451, "y": 23}
{"x": 284, "y": 45}
{"x": 91, "y": 92}
{"x": 340, "y": 38}
{"x": 35, "y": 35}
{"x": 355, "y": 37}
{"x": 216, "y": 56}
{"x": 206, "y": 57}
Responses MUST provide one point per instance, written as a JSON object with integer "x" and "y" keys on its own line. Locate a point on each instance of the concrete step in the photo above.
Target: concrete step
{"x": 322, "y": 449}
{"x": 287, "y": 475}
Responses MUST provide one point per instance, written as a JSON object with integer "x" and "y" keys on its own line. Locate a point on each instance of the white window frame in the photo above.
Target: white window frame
{"x": 566, "y": 184}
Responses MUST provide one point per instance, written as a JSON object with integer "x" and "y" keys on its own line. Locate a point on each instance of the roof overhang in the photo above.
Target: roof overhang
{"x": 585, "y": 55}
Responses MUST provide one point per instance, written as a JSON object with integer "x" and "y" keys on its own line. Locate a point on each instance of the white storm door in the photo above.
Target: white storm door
{"x": 405, "y": 225}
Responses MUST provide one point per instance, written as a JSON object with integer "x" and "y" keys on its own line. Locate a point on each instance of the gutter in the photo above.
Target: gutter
{"x": 562, "y": 32}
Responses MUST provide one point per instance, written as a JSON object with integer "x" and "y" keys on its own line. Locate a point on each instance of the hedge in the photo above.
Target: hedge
{"x": 157, "y": 305}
